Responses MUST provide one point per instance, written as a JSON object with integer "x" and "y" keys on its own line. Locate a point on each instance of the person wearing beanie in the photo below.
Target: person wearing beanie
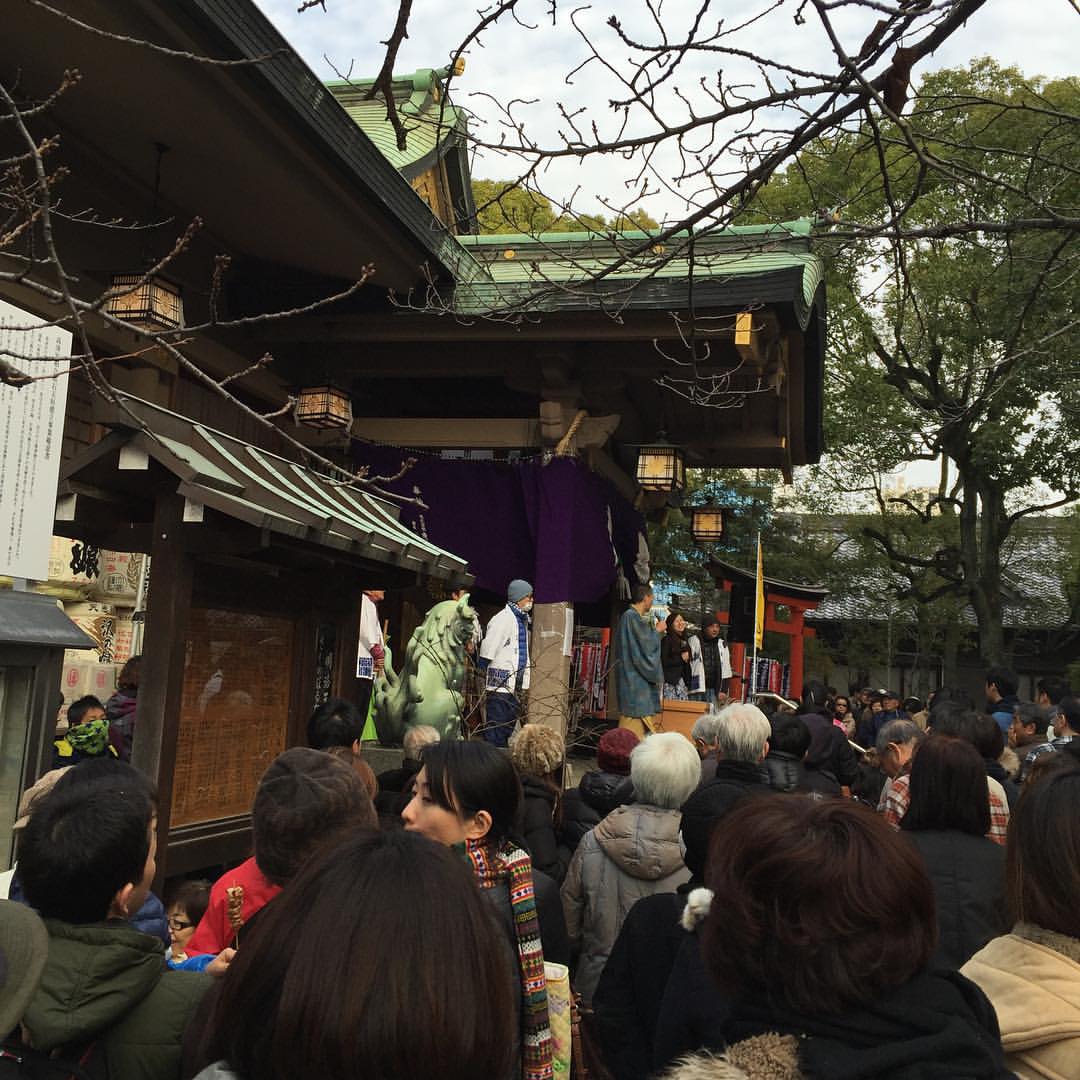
{"x": 306, "y": 799}
{"x": 504, "y": 660}
{"x": 586, "y": 805}
{"x": 537, "y": 753}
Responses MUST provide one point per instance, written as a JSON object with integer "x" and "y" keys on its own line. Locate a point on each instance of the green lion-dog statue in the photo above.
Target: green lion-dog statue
{"x": 428, "y": 688}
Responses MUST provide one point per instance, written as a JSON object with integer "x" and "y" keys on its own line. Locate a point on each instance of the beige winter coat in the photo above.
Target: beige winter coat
{"x": 633, "y": 852}
{"x": 1032, "y": 978}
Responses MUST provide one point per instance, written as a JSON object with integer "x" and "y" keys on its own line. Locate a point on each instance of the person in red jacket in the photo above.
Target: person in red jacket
{"x": 306, "y": 799}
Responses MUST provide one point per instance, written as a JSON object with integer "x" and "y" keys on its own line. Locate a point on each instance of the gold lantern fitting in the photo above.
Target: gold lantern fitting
{"x": 661, "y": 467}
{"x": 150, "y": 303}
{"x": 324, "y": 407}
{"x": 707, "y": 524}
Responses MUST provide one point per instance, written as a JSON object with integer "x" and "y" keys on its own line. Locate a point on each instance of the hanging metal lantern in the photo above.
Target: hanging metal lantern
{"x": 707, "y": 524}
{"x": 324, "y": 407}
{"x": 661, "y": 467}
{"x": 151, "y": 304}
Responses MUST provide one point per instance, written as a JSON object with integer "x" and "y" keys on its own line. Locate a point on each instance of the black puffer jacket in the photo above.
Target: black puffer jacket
{"x": 789, "y": 773}
{"x": 968, "y": 873}
{"x": 631, "y": 988}
{"x": 692, "y": 1012}
{"x": 830, "y": 752}
{"x": 585, "y": 806}
{"x": 538, "y": 828}
{"x": 735, "y": 781}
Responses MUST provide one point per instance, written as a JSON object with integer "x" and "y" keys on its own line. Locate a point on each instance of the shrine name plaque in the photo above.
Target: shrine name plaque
{"x": 234, "y": 712}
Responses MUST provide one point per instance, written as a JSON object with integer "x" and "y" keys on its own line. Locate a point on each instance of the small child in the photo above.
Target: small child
{"x": 87, "y": 734}
{"x": 184, "y": 912}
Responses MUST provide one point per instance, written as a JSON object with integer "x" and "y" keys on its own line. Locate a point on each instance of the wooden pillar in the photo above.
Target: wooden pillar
{"x": 161, "y": 674}
{"x": 795, "y": 666}
{"x": 550, "y": 678}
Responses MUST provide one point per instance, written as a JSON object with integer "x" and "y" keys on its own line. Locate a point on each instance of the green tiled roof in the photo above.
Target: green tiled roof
{"x": 432, "y": 124}
{"x": 557, "y": 271}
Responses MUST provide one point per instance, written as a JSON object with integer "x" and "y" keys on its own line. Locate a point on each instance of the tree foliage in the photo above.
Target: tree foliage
{"x": 504, "y": 206}
{"x": 956, "y": 348}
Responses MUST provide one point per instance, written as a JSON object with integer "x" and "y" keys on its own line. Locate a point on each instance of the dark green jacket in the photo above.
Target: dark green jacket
{"x": 109, "y": 983}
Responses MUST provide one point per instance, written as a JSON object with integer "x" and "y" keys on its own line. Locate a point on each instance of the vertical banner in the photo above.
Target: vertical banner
{"x": 31, "y": 436}
{"x": 759, "y": 605}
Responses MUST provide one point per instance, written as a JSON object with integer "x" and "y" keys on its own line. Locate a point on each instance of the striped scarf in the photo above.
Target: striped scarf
{"x": 522, "y": 645}
{"x": 510, "y": 864}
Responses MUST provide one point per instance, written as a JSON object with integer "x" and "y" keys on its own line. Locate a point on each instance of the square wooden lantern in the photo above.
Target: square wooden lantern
{"x": 707, "y": 524}
{"x": 661, "y": 467}
{"x": 325, "y": 407}
{"x": 152, "y": 303}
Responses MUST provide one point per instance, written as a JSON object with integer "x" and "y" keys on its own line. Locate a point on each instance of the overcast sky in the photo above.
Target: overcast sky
{"x": 1042, "y": 37}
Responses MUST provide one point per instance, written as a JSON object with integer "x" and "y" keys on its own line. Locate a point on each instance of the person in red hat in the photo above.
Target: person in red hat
{"x": 599, "y": 792}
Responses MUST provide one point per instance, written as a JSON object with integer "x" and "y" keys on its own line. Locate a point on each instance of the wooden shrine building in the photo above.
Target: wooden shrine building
{"x": 570, "y": 351}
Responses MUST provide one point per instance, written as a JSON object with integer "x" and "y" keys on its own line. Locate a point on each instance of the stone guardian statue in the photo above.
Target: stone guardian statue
{"x": 428, "y": 689}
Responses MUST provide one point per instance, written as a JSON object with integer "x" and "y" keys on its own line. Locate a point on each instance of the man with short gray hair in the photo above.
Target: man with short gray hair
{"x": 742, "y": 733}
{"x": 416, "y": 738}
{"x": 400, "y": 781}
{"x": 703, "y": 734}
{"x": 895, "y": 745}
{"x": 742, "y": 741}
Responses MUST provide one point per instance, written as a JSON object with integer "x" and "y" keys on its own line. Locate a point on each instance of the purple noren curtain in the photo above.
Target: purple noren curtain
{"x": 548, "y": 523}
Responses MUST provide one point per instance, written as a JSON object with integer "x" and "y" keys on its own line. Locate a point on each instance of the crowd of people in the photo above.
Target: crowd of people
{"x": 860, "y": 887}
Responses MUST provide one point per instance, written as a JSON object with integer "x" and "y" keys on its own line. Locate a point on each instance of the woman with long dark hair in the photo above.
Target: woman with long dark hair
{"x": 675, "y": 659}
{"x": 379, "y": 960}
{"x": 947, "y": 820}
{"x": 468, "y": 797}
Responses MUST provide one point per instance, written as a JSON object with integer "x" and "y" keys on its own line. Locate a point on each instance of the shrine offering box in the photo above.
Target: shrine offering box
{"x": 680, "y": 715}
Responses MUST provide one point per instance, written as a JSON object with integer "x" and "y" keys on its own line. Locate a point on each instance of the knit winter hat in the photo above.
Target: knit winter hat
{"x": 613, "y": 750}
{"x": 32, "y": 794}
{"x": 304, "y": 800}
{"x": 24, "y": 947}
{"x": 537, "y": 749}
{"x": 517, "y": 590}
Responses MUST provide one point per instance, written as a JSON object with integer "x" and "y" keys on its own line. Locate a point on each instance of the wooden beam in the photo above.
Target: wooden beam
{"x": 445, "y": 433}
{"x": 161, "y": 682}
{"x": 756, "y": 336}
{"x": 600, "y": 461}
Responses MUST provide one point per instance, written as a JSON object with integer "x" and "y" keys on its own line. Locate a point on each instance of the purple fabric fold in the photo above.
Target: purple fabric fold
{"x": 544, "y": 522}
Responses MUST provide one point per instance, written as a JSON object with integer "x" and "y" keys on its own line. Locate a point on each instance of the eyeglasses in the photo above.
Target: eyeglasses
{"x": 179, "y": 924}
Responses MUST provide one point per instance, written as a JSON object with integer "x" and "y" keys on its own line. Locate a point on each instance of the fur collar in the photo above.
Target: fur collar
{"x": 697, "y": 907}
{"x": 762, "y": 1057}
{"x": 1068, "y": 947}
